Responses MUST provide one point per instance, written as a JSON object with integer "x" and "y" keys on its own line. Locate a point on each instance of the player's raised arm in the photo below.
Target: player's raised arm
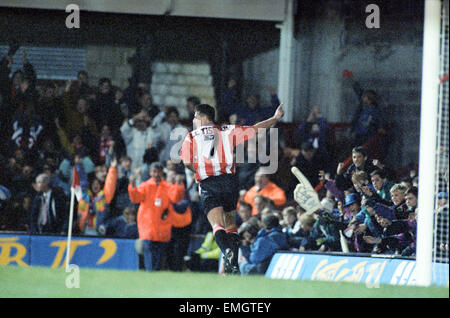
{"x": 271, "y": 121}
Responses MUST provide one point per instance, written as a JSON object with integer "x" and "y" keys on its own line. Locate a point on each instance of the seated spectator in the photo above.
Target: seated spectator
{"x": 205, "y": 258}
{"x": 269, "y": 240}
{"x": 382, "y": 185}
{"x": 359, "y": 157}
{"x": 123, "y": 226}
{"x": 411, "y": 201}
{"x": 94, "y": 206}
{"x": 321, "y": 233}
{"x": 307, "y": 242}
{"x": 398, "y": 199}
{"x": 352, "y": 206}
{"x": 244, "y": 213}
{"x": 315, "y": 130}
{"x": 264, "y": 187}
{"x": 138, "y": 134}
{"x": 49, "y": 213}
{"x": 292, "y": 226}
{"x": 262, "y": 203}
{"x": 398, "y": 236}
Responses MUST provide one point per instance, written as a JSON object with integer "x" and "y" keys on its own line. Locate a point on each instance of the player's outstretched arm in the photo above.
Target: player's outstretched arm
{"x": 271, "y": 121}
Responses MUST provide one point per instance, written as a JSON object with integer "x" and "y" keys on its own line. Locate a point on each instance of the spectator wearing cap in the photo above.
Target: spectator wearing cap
{"x": 269, "y": 240}
{"x": 352, "y": 205}
{"x": 264, "y": 187}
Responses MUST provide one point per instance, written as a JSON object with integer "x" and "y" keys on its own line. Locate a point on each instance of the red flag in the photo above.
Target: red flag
{"x": 76, "y": 185}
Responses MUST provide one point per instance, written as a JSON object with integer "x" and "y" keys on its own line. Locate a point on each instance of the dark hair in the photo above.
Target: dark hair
{"x": 150, "y": 155}
{"x": 379, "y": 172}
{"x": 172, "y": 109}
{"x": 271, "y": 221}
{"x": 371, "y": 95}
{"x": 194, "y": 100}
{"x": 250, "y": 228}
{"x": 245, "y": 205}
{"x": 157, "y": 165}
{"x": 307, "y": 146}
{"x": 206, "y": 110}
{"x": 82, "y": 73}
{"x": 413, "y": 190}
{"x": 360, "y": 149}
{"x": 104, "y": 80}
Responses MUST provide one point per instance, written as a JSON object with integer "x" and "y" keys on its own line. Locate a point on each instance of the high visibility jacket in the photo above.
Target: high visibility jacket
{"x": 271, "y": 191}
{"x": 156, "y": 214}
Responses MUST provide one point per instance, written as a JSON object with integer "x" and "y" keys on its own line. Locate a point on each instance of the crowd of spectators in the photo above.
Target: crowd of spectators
{"x": 116, "y": 137}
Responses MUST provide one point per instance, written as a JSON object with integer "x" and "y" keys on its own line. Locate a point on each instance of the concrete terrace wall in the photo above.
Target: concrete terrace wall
{"x": 109, "y": 61}
{"x": 330, "y": 39}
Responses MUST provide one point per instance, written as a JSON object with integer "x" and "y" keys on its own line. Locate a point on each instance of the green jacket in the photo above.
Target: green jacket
{"x": 385, "y": 192}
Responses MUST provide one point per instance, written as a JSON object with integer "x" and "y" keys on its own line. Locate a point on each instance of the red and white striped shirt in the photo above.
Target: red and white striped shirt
{"x": 210, "y": 148}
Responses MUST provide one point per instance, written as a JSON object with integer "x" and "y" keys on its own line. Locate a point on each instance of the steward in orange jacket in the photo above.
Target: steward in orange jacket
{"x": 156, "y": 215}
{"x": 263, "y": 186}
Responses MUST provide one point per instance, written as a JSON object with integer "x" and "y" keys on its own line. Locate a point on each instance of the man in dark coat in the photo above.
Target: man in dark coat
{"x": 49, "y": 208}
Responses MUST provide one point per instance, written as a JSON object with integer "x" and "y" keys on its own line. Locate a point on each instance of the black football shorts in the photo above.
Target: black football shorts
{"x": 219, "y": 191}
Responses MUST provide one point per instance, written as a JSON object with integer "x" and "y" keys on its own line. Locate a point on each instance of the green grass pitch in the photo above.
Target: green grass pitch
{"x": 31, "y": 282}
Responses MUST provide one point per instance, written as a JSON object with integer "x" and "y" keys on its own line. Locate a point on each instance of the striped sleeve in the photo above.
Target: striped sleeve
{"x": 187, "y": 149}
